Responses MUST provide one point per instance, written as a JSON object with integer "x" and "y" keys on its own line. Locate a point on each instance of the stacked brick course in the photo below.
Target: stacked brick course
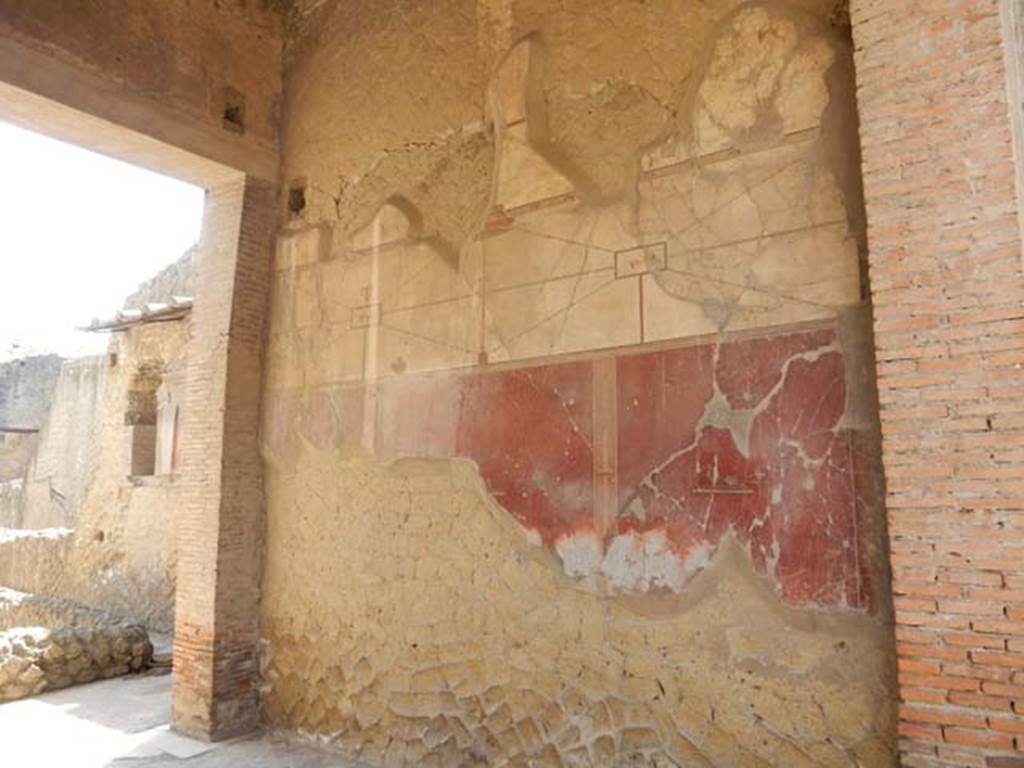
{"x": 220, "y": 526}
{"x": 948, "y": 291}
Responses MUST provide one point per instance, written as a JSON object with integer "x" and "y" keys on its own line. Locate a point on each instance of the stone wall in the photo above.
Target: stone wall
{"x": 26, "y": 387}
{"x": 21, "y": 609}
{"x": 26, "y": 390}
{"x": 569, "y": 404}
{"x": 34, "y": 659}
{"x": 121, "y": 554}
{"x": 16, "y": 452}
{"x": 12, "y": 502}
{"x": 65, "y": 458}
{"x": 122, "y": 558}
{"x": 436, "y": 633}
{"x": 34, "y": 560}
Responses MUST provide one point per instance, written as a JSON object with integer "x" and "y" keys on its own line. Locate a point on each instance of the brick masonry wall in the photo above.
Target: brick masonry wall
{"x": 220, "y": 529}
{"x": 947, "y": 284}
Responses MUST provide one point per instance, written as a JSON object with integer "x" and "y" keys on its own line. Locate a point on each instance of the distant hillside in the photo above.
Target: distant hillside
{"x": 175, "y": 280}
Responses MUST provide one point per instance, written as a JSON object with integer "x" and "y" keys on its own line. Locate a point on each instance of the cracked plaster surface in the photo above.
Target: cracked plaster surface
{"x": 588, "y": 183}
{"x": 434, "y": 633}
{"x": 749, "y": 228}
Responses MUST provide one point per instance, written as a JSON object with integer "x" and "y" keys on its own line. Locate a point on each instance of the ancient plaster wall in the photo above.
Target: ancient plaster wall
{"x": 569, "y": 402}
{"x": 64, "y": 461}
{"x": 409, "y": 620}
{"x": 123, "y": 557}
{"x": 118, "y": 553}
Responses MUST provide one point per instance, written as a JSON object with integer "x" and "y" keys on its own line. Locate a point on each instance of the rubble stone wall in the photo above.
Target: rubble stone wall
{"x": 34, "y": 560}
{"x": 20, "y": 609}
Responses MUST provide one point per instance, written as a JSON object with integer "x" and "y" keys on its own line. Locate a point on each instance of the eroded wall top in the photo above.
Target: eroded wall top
{"x": 603, "y": 83}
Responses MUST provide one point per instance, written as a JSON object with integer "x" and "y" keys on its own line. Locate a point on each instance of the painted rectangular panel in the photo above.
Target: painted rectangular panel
{"x": 736, "y": 438}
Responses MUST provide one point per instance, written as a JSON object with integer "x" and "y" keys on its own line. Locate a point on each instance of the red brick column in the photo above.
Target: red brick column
{"x": 220, "y": 527}
{"x": 948, "y": 290}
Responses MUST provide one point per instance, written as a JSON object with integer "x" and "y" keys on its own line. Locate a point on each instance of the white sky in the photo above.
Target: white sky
{"x": 79, "y": 231}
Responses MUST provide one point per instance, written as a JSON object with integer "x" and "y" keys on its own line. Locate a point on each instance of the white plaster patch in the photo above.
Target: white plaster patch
{"x": 581, "y": 553}
{"x": 697, "y": 560}
{"x": 647, "y": 561}
{"x": 17, "y": 534}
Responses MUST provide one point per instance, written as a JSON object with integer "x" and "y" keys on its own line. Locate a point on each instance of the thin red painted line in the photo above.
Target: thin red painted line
{"x": 640, "y": 283}
{"x": 852, "y": 464}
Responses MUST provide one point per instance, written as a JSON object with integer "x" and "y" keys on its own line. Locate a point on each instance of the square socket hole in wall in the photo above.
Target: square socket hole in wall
{"x": 297, "y": 196}
{"x": 234, "y": 110}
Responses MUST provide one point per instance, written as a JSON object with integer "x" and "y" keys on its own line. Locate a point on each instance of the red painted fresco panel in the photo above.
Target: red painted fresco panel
{"x": 662, "y": 396}
{"x": 741, "y": 439}
{"x": 531, "y": 433}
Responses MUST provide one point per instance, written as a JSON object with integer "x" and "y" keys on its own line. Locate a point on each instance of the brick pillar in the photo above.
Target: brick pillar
{"x": 948, "y": 291}
{"x": 220, "y": 527}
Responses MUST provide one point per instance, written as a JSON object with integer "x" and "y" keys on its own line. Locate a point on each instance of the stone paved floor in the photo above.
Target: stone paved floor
{"x": 122, "y": 723}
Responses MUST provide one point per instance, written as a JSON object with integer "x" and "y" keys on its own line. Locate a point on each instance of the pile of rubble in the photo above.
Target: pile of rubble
{"x": 52, "y": 642}
{"x": 36, "y": 659}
